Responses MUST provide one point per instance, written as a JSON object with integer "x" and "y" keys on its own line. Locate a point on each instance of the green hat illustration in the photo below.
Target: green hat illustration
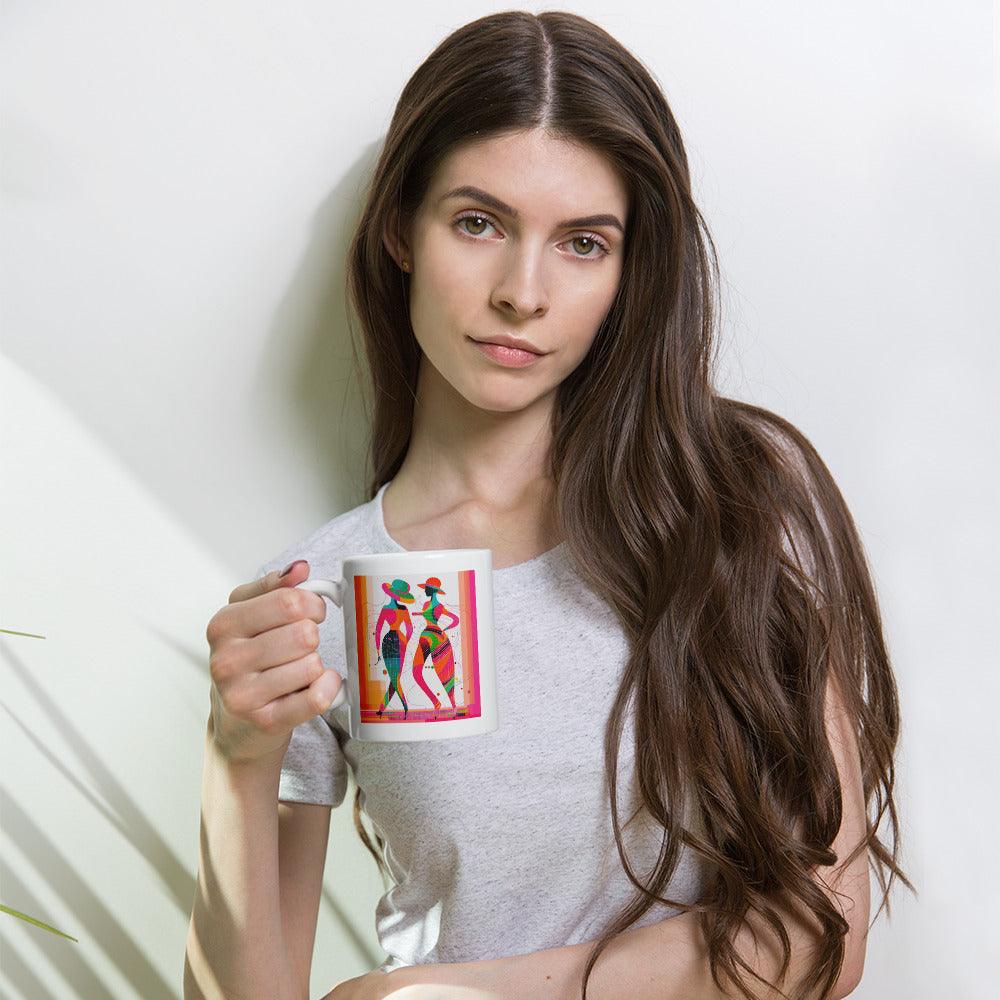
{"x": 399, "y": 589}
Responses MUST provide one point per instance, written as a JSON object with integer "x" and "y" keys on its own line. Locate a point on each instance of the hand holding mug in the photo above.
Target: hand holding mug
{"x": 267, "y": 677}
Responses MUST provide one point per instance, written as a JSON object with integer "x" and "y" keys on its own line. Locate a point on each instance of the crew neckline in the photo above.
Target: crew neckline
{"x": 506, "y": 572}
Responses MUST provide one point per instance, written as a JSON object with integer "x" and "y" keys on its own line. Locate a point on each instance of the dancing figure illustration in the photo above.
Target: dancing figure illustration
{"x": 398, "y": 629}
{"x": 434, "y": 643}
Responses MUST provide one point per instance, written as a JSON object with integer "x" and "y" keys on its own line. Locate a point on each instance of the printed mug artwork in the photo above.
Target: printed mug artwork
{"x": 417, "y": 666}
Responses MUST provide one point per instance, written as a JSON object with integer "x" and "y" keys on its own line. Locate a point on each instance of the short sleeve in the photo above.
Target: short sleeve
{"x": 314, "y": 768}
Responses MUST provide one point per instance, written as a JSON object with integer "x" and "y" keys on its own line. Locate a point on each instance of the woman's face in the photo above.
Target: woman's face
{"x": 502, "y": 260}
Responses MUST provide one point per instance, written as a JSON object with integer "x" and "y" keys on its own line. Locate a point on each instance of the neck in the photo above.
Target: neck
{"x": 494, "y": 457}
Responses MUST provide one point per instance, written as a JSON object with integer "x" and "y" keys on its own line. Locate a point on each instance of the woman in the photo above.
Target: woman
{"x": 711, "y": 527}
{"x": 434, "y": 643}
{"x": 395, "y": 618}
{"x": 536, "y": 293}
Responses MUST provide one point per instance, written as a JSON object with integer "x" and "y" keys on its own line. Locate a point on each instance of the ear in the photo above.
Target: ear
{"x": 396, "y": 243}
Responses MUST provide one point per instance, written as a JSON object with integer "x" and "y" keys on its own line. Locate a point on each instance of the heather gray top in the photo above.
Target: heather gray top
{"x": 500, "y": 843}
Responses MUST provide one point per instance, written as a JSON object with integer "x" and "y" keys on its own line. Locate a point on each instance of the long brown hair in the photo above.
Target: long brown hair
{"x": 712, "y": 527}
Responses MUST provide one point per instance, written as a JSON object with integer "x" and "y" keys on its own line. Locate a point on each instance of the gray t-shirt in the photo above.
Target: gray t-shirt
{"x": 501, "y": 843}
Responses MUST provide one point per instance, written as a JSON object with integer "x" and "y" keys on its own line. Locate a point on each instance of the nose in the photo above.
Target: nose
{"x": 521, "y": 289}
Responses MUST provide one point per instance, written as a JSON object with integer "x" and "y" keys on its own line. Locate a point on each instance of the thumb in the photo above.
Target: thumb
{"x": 291, "y": 576}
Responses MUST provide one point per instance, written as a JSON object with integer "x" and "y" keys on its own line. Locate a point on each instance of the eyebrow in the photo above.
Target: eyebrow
{"x": 478, "y": 194}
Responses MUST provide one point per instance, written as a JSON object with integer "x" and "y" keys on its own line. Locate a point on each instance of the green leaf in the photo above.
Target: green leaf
{"x": 37, "y": 923}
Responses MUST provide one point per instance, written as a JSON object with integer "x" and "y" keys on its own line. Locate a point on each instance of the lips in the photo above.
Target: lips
{"x": 508, "y": 357}
{"x": 512, "y": 342}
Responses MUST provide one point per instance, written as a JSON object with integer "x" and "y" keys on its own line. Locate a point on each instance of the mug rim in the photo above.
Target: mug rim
{"x": 382, "y": 557}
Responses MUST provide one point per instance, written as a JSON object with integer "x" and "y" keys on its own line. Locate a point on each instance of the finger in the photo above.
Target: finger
{"x": 293, "y": 709}
{"x": 288, "y": 678}
{"x": 294, "y": 574}
{"x": 269, "y": 610}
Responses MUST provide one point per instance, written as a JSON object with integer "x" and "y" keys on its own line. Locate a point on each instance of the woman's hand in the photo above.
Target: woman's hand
{"x": 420, "y": 982}
{"x": 267, "y": 676}
{"x": 371, "y": 986}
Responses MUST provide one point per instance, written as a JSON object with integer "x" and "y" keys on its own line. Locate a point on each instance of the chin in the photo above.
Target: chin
{"x": 499, "y": 406}
{"x": 501, "y": 401}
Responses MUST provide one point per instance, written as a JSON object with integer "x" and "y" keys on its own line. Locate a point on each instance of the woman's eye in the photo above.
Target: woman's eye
{"x": 474, "y": 218}
{"x": 592, "y": 243}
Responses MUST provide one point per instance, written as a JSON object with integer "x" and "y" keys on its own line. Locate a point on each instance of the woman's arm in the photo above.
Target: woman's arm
{"x": 235, "y": 946}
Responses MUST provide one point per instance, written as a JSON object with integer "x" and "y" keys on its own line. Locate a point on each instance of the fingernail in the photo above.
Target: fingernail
{"x": 290, "y": 567}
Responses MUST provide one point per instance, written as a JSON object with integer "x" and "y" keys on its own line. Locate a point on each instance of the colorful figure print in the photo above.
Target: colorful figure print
{"x": 392, "y": 644}
{"x": 448, "y": 641}
{"x": 434, "y": 643}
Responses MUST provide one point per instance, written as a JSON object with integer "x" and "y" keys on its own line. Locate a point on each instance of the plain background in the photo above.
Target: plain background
{"x": 179, "y": 184}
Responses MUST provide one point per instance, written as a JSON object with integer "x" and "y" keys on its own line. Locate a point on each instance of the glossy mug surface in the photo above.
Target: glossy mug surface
{"x": 418, "y": 635}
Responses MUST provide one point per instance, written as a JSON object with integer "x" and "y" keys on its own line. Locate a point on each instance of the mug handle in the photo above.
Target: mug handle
{"x": 334, "y": 589}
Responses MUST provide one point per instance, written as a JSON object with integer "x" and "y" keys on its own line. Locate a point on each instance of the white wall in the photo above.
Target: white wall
{"x": 179, "y": 183}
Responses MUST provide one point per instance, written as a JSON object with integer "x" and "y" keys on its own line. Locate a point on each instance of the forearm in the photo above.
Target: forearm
{"x": 235, "y": 947}
{"x": 667, "y": 960}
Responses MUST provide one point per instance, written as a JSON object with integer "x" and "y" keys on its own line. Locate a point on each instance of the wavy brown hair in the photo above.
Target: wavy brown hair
{"x": 712, "y": 527}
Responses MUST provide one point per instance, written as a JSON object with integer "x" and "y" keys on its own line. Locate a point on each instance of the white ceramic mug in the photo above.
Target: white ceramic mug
{"x": 418, "y": 629}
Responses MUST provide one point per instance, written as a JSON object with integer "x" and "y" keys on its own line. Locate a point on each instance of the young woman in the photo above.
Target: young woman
{"x": 687, "y": 627}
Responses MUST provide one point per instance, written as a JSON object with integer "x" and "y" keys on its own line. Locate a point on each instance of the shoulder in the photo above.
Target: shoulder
{"x": 813, "y": 520}
{"x": 790, "y": 454}
{"x": 326, "y": 546}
